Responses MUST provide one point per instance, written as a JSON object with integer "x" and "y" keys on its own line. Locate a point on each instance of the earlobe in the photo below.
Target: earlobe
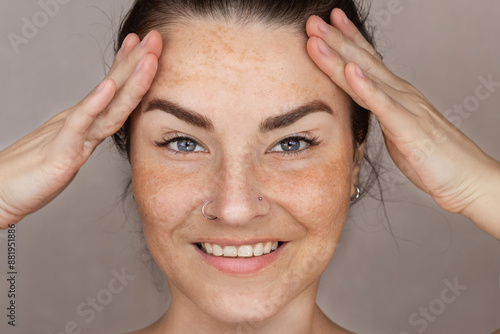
{"x": 358, "y": 158}
{"x": 359, "y": 153}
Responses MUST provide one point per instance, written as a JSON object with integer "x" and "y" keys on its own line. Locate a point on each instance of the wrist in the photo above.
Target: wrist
{"x": 7, "y": 217}
{"x": 484, "y": 209}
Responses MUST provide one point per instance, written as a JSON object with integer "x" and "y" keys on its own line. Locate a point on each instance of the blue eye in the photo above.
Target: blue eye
{"x": 294, "y": 144}
{"x": 185, "y": 145}
{"x": 181, "y": 144}
{"x": 290, "y": 145}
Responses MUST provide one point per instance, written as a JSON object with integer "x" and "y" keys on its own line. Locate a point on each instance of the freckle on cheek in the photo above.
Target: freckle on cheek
{"x": 320, "y": 196}
{"x": 164, "y": 196}
{"x": 149, "y": 190}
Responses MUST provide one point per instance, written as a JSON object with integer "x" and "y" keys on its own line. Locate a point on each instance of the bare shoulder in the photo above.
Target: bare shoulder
{"x": 497, "y": 332}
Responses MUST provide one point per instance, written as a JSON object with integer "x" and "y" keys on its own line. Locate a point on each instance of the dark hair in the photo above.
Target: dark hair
{"x": 147, "y": 15}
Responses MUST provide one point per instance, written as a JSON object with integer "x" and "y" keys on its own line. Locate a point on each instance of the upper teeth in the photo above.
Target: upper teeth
{"x": 240, "y": 251}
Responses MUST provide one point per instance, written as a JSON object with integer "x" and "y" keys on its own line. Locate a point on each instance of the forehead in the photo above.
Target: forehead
{"x": 206, "y": 61}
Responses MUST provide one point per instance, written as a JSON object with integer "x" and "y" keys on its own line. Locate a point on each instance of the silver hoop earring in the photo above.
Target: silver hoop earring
{"x": 356, "y": 196}
{"x": 203, "y": 212}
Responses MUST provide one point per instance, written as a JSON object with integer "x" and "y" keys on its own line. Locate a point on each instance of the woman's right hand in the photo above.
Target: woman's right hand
{"x": 39, "y": 166}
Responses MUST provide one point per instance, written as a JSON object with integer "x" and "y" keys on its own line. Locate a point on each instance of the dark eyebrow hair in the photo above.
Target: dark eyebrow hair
{"x": 269, "y": 124}
{"x": 292, "y": 116}
{"x": 188, "y": 116}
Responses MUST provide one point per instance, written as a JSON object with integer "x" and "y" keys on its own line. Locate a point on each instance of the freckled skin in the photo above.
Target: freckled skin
{"x": 237, "y": 76}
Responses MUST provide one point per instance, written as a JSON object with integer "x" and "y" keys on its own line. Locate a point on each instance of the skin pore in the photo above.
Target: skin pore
{"x": 224, "y": 86}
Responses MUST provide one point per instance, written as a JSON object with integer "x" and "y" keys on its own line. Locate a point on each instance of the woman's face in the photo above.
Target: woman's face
{"x": 234, "y": 114}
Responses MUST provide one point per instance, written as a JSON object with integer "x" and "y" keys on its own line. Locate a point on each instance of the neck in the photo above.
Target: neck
{"x": 300, "y": 315}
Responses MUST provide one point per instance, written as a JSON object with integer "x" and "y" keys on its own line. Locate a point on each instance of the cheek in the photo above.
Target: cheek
{"x": 151, "y": 188}
{"x": 163, "y": 192}
{"x": 165, "y": 198}
{"x": 318, "y": 201}
{"x": 318, "y": 198}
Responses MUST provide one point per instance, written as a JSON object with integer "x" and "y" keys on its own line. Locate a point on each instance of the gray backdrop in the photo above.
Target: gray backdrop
{"x": 69, "y": 252}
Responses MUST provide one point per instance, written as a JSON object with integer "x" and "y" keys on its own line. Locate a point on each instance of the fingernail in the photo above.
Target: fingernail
{"x": 100, "y": 87}
{"x": 323, "y": 48}
{"x": 141, "y": 63}
{"x": 344, "y": 17}
{"x": 145, "y": 40}
{"x": 359, "y": 72}
{"x": 323, "y": 26}
{"x": 124, "y": 42}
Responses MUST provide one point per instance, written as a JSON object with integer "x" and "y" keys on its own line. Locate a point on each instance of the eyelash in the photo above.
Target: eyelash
{"x": 172, "y": 139}
{"x": 313, "y": 141}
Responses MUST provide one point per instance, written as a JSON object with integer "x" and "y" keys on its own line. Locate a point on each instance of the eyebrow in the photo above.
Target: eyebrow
{"x": 269, "y": 124}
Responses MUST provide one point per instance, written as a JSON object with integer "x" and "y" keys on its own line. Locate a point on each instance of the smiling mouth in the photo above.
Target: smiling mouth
{"x": 247, "y": 251}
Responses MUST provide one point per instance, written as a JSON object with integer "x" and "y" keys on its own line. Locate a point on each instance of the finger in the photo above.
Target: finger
{"x": 152, "y": 43}
{"x": 394, "y": 118}
{"x": 126, "y": 56}
{"x": 351, "y": 52}
{"x": 316, "y": 26}
{"x": 342, "y": 23}
{"x": 71, "y": 138}
{"x": 125, "y": 100}
{"x": 334, "y": 66}
{"x": 128, "y": 44}
{"x": 331, "y": 64}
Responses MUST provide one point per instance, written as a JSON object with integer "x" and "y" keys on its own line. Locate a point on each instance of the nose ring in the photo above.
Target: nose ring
{"x": 203, "y": 212}
{"x": 212, "y": 218}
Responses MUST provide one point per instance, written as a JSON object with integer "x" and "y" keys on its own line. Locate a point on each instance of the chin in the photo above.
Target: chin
{"x": 241, "y": 308}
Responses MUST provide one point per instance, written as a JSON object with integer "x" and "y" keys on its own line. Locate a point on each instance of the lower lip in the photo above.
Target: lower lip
{"x": 241, "y": 265}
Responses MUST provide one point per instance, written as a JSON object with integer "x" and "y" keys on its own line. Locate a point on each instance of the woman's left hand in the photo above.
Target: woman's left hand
{"x": 435, "y": 155}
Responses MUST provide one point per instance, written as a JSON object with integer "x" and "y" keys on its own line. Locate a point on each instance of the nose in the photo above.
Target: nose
{"x": 239, "y": 197}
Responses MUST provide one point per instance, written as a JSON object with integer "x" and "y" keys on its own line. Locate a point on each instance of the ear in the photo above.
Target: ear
{"x": 359, "y": 154}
